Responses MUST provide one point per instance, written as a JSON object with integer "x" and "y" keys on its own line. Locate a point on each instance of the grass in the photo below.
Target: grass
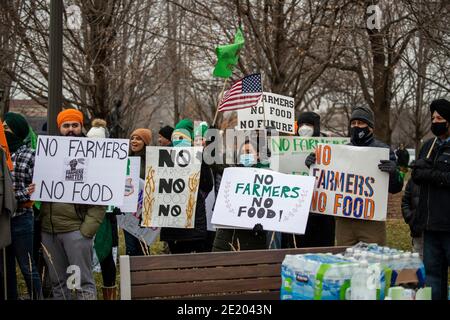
{"x": 397, "y": 237}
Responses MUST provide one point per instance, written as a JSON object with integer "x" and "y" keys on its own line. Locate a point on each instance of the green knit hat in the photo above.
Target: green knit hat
{"x": 185, "y": 128}
{"x": 18, "y": 124}
{"x": 201, "y": 129}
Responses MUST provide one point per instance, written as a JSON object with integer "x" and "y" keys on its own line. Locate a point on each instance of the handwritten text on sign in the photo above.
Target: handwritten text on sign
{"x": 248, "y": 196}
{"x": 349, "y": 183}
{"x": 80, "y": 170}
{"x": 288, "y": 154}
{"x": 171, "y": 184}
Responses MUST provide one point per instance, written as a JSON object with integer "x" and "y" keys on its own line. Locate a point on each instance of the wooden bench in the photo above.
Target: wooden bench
{"x": 214, "y": 275}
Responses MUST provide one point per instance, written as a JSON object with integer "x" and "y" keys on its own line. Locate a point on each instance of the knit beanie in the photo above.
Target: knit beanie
{"x": 69, "y": 115}
{"x": 166, "y": 132}
{"x": 18, "y": 124}
{"x": 185, "y": 128}
{"x": 98, "y": 129}
{"x": 201, "y": 129}
{"x": 364, "y": 114}
{"x": 144, "y": 134}
{"x": 442, "y": 106}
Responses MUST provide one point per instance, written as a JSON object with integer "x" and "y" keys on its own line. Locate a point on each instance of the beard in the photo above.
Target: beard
{"x": 72, "y": 134}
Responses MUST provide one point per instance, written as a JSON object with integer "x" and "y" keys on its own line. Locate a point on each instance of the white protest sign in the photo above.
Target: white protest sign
{"x": 277, "y": 110}
{"x": 288, "y": 154}
{"x": 80, "y": 170}
{"x": 248, "y": 196}
{"x": 130, "y": 221}
{"x": 171, "y": 185}
{"x": 131, "y": 195}
{"x": 349, "y": 183}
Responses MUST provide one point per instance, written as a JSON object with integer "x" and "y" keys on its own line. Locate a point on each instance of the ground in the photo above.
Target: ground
{"x": 397, "y": 237}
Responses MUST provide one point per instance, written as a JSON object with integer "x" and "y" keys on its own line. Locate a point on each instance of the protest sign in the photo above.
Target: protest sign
{"x": 80, "y": 170}
{"x": 272, "y": 111}
{"x": 171, "y": 184}
{"x": 130, "y": 221}
{"x": 130, "y": 200}
{"x": 248, "y": 196}
{"x": 288, "y": 154}
{"x": 349, "y": 183}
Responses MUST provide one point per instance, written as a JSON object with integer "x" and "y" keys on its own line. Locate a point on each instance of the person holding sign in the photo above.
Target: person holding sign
{"x": 243, "y": 239}
{"x": 107, "y": 236}
{"x": 139, "y": 139}
{"x": 190, "y": 240}
{"x": 68, "y": 230}
{"x": 432, "y": 173}
{"x": 351, "y": 231}
{"x": 22, "y": 221}
{"x": 320, "y": 229}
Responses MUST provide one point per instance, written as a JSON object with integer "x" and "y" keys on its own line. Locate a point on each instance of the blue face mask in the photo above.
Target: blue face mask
{"x": 247, "y": 160}
{"x": 181, "y": 143}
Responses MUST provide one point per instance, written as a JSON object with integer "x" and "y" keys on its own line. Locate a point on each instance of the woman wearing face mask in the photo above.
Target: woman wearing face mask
{"x": 190, "y": 240}
{"x": 243, "y": 239}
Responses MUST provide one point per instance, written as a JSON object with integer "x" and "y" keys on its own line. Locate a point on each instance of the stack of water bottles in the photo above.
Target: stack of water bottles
{"x": 363, "y": 272}
{"x": 391, "y": 259}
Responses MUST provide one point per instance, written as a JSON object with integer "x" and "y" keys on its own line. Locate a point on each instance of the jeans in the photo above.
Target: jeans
{"x": 21, "y": 249}
{"x": 132, "y": 245}
{"x": 436, "y": 254}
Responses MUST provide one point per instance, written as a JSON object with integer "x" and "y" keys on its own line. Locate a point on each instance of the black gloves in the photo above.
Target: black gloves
{"x": 388, "y": 166}
{"x": 258, "y": 229}
{"x": 422, "y": 164}
{"x": 117, "y": 211}
{"x": 310, "y": 159}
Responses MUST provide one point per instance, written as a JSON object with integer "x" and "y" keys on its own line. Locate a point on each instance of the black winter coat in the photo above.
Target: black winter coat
{"x": 199, "y": 230}
{"x": 434, "y": 182}
{"x": 395, "y": 180}
{"x": 410, "y": 205}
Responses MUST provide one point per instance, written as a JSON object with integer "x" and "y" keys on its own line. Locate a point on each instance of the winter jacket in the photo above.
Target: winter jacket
{"x": 199, "y": 230}
{"x": 410, "y": 205}
{"x": 395, "y": 179}
{"x": 8, "y": 202}
{"x": 434, "y": 182}
{"x": 67, "y": 217}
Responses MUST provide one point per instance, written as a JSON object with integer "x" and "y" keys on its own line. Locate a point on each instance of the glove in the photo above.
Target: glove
{"x": 310, "y": 159}
{"x": 258, "y": 229}
{"x": 388, "y": 166}
{"x": 117, "y": 211}
{"x": 422, "y": 164}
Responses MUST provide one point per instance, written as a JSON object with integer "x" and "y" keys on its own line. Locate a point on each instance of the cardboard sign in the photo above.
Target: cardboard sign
{"x": 288, "y": 154}
{"x": 349, "y": 183}
{"x": 130, "y": 221}
{"x": 273, "y": 110}
{"x": 248, "y": 196}
{"x": 131, "y": 195}
{"x": 80, "y": 170}
{"x": 171, "y": 184}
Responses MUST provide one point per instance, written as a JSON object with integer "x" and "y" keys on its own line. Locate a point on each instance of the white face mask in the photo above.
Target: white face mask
{"x": 305, "y": 131}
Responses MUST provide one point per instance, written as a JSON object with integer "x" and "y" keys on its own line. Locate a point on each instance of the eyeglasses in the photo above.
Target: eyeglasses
{"x": 68, "y": 125}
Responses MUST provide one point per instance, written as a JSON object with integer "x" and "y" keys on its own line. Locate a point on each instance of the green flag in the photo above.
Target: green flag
{"x": 227, "y": 56}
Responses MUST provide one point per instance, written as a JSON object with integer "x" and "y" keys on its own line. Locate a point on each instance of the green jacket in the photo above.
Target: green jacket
{"x": 67, "y": 217}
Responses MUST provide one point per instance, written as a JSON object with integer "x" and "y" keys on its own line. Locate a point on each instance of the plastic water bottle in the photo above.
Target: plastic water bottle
{"x": 406, "y": 261}
{"x": 359, "y": 280}
{"x": 349, "y": 252}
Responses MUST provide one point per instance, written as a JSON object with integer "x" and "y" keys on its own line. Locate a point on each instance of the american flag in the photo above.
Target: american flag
{"x": 244, "y": 93}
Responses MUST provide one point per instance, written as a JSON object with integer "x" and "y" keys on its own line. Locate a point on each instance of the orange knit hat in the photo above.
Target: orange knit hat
{"x": 144, "y": 134}
{"x": 69, "y": 115}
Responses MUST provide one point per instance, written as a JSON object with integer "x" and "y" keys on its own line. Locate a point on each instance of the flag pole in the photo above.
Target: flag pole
{"x": 220, "y": 99}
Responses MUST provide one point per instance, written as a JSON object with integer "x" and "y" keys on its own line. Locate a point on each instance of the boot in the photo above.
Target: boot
{"x": 109, "y": 293}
